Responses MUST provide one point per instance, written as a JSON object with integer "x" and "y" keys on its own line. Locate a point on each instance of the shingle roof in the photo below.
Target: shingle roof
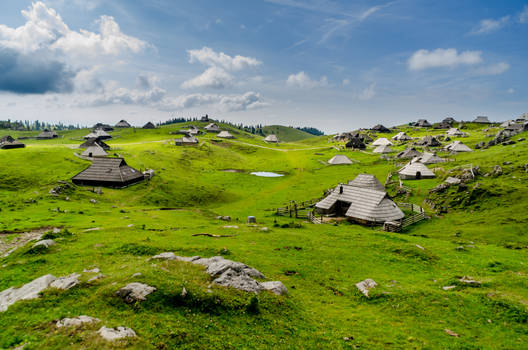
{"x": 411, "y": 169}
{"x": 94, "y": 151}
{"x": 92, "y": 141}
{"x": 367, "y": 181}
{"x": 122, "y": 124}
{"x": 457, "y": 146}
{"x": 381, "y": 141}
{"x": 401, "y": 136}
{"x": 108, "y": 170}
{"x": 225, "y": 134}
{"x": 409, "y": 153}
{"x": 383, "y": 149}
{"x": 429, "y": 158}
{"x": 271, "y": 138}
{"x": 339, "y": 159}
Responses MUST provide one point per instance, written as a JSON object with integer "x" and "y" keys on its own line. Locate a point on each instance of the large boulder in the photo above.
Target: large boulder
{"x": 134, "y": 292}
{"x": 45, "y": 243}
{"x": 238, "y": 280}
{"x": 76, "y": 321}
{"x": 28, "y": 291}
{"x": 366, "y": 285}
{"x": 218, "y": 265}
{"x": 275, "y": 287}
{"x": 116, "y": 333}
{"x": 66, "y": 282}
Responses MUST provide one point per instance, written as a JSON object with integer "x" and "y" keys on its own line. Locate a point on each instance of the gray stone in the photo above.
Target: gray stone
{"x": 448, "y": 287}
{"x": 366, "y": 285}
{"x": 137, "y": 274}
{"x": 66, "y": 282}
{"x": 134, "y": 292}
{"x": 28, "y": 291}
{"x": 93, "y": 201}
{"x": 76, "y": 321}
{"x": 46, "y": 243}
{"x": 165, "y": 256}
{"x": 275, "y": 286}
{"x": 217, "y": 265}
{"x": 94, "y": 270}
{"x": 238, "y": 280}
{"x": 116, "y": 333}
{"x": 96, "y": 277}
{"x": 469, "y": 280}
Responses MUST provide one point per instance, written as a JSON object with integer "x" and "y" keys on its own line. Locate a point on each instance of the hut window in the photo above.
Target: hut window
{"x": 340, "y": 189}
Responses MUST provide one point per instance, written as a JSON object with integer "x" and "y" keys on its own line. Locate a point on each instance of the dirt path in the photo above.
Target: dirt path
{"x": 9, "y": 242}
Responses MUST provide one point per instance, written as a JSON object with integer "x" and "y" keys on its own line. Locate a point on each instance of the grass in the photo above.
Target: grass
{"x": 319, "y": 264}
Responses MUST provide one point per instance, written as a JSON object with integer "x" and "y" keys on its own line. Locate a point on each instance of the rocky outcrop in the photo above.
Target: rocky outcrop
{"x": 116, "y": 333}
{"x": 28, "y": 291}
{"x": 366, "y": 285}
{"x": 45, "y": 243}
{"x": 134, "y": 292}
{"x": 66, "y": 282}
{"x": 76, "y": 321}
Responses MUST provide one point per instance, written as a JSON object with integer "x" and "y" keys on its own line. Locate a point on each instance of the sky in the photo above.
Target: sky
{"x": 334, "y": 65}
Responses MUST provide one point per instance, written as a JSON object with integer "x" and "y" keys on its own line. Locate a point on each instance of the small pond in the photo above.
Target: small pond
{"x": 266, "y": 174}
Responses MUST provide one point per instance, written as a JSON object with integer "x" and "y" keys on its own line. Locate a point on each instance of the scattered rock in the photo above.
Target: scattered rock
{"x": 264, "y": 229}
{"x": 46, "y": 243}
{"x": 453, "y": 180}
{"x": 116, "y": 333}
{"x": 448, "y": 287}
{"x": 420, "y": 247}
{"x": 77, "y": 321}
{"x": 366, "y": 285}
{"x": 134, "y": 292}
{"x": 97, "y": 277}
{"x": 231, "y": 226}
{"x": 506, "y": 163}
{"x": 217, "y": 265}
{"x": 451, "y": 333}
{"x": 93, "y": 201}
{"x": 94, "y": 270}
{"x": 137, "y": 274}
{"x": 226, "y": 218}
{"x": 275, "y": 286}
{"x": 28, "y": 291}
{"x": 165, "y": 256}
{"x": 469, "y": 281}
{"x": 238, "y": 280}
{"x": 66, "y": 282}
{"x": 521, "y": 139}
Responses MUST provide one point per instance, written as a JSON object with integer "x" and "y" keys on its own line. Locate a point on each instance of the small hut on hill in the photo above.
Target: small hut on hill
{"x": 415, "y": 171}
{"x": 95, "y": 141}
{"x": 382, "y": 141}
{"x": 94, "y": 151}
{"x": 205, "y": 118}
{"x": 7, "y": 142}
{"x": 108, "y": 172}
{"x": 98, "y": 134}
{"x": 409, "y": 153}
{"x": 422, "y": 123}
{"x": 507, "y": 123}
{"x": 123, "y": 124}
{"x": 401, "y": 136}
{"x": 442, "y": 125}
{"x": 380, "y": 128}
{"x": 457, "y": 146}
{"x": 367, "y": 181}
{"x": 102, "y": 126}
{"x": 429, "y": 158}
{"x": 428, "y": 141}
{"x": 355, "y": 143}
{"x": 212, "y": 128}
{"x": 449, "y": 120}
{"x": 482, "y": 120}
{"x": 383, "y": 149}
{"x": 455, "y": 132}
{"x": 361, "y": 204}
{"x": 47, "y": 134}
{"x": 193, "y": 130}
{"x": 339, "y": 159}
{"x": 149, "y": 125}
{"x": 225, "y": 135}
{"x": 187, "y": 140}
{"x": 271, "y": 138}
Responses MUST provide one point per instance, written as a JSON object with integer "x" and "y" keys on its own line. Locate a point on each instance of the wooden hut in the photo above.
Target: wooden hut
{"x": 380, "y": 128}
{"x": 123, "y": 124}
{"x": 408, "y": 153}
{"x": 104, "y": 127}
{"x": 149, "y": 125}
{"x": 187, "y": 140}
{"x": 429, "y": 158}
{"x": 383, "y": 149}
{"x": 98, "y": 134}
{"x": 455, "y": 132}
{"x": 225, "y": 135}
{"x": 95, "y": 141}
{"x": 367, "y": 181}
{"x": 339, "y": 159}
{"x": 47, "y": 134}
{"x": 457, "y": 146}
{"x": 7, "y": 142}
{"x": 422, "y": 123}
{"x": 212, "y": 128}
{"x": 355, "y": 143}
{"x": 481, "y": 120}
{"x": 271, "y": 138}
{"x": 382, "y": 141}
{"x": 94, "y": 151}
{"x": 428, "y": 141}
{"x": 401, "y": 136}
{"x": 108, "y": 172}
{"x": 415, "y": 171}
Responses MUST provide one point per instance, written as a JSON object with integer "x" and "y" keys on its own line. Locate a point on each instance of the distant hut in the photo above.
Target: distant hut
{"x": 47, "y": 134}
{"x": 455, "y": 132}
{"x": 271, "y": 138}
{"x": 507, "y": 123}
{"x": 193, "y": 130}
{"x": 523, "y": 118}
{"x": 367, "y": 181}
{"x": 380, "y": 128}
{"x": 360, "y": 204}
{"x": 123, "y": 124}
{"x": 355, "y": 143}
{"x": 108, "y": 172}
{"x": 149, "y": 125}
{"x": 205, "y": 118}
{"x": 401, "y": 136}
{"x": 429, "y": 158}
{"x": 409, "y": 153}
{"x": 423, "y": 123}
{"x": 449, "y": 120}
{"x": 383, "y": 149}
{"x": 187, "y": 140}
{"x": 339, "y": 159}
{"x": 98, "y": 134}
{"x": 102, "y": 126}
{"x": 363, "y": 137}
{"x": 428, "y": 141}
{"x": 482, "y": 120}
{"x": 212, "y": 128}
{"x": 95, "y": 141}
{"x": 94, "y": 151}
{"x": 382, "y": 141}
{"x": 225, "y": 135}
{"x": 7, "y": 142}
{"x": 415, "y": 171}
{"x": 457, "y": 146}
{"x": 442, "y": 125}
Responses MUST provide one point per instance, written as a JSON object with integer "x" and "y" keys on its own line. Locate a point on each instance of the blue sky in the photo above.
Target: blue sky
{"x": 335, "y": 65}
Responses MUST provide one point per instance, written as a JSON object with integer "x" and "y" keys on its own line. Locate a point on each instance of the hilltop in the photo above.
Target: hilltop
{"x": 477, "y": 231}
{"x": 286, "y": 133}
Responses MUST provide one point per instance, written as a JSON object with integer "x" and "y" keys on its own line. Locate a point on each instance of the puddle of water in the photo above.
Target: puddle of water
{"x": 266, "y": 174}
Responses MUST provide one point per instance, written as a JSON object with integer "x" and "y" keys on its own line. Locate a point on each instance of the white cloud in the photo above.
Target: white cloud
{"x": 494, "y": 69}
{"x": 368, "y": 93}
{"x": 490, "y": 25}
{"x": 302, "y": 80}
{"x": 209, "y": 57}
{"x": 213, "y": 78}
{"x": 87, "y": 81}
{"x": 346, "y": 82}
{"x": 523, "y": 17}
{"x": 424, "y": 59}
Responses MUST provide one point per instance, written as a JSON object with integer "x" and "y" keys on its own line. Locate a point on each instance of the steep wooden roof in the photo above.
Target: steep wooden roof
{"x": 367, "y": 181}
{"x": 113, "y": 170}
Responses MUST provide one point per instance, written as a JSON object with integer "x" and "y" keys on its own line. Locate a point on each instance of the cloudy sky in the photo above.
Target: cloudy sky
{"x": 335, "y": 65}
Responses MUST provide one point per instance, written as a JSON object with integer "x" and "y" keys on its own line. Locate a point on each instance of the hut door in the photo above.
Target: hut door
{"x": 418, "y": 175}
{"x": 90, "y": 154}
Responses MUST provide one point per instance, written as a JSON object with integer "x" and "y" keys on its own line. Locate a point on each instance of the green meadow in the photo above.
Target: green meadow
{"x": 479, "y": 231}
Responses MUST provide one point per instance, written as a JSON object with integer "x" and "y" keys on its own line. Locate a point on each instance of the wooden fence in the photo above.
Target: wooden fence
{"x": 398, "y": 226}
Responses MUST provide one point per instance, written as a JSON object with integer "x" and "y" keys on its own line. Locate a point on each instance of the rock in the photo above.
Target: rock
{"x": 184, "y": 292}
{"x": 94, "y": 270}
{"x": 521, "y": 139}
{"x": 448, "y": 287}
{"x": 451, "y": 333}
{"x": 231, "y": 226}
{"x": 217, "y": 265}
{"x": 509, "y": 142}
{"x": 165, "y": 256}
{"x": 366, "y": 285}
{"x": 116, "y": 333}
{"x": 226, "y": 218}
{"x": 275, "y": 286}
{"x": 264, "y": 229}
{"x": 453, "y": 180}
{"x": 46, "y": 243}
{"x": 134, "y": 292}
{"x": 188, "y": 258}
{"x": 66, "y": 282}
{"x": 238, "y": 280}
{"x": 28, "y": 291}
{"x": 506, "y": 163}
{"x": 470, "y": 281}
{"x": 56, "y": 230}
{"x": 77, "y": 321}
{"x": 497, "y": 170}
{"x": 93, "y": 201}
{"x": 420, "y": 247}
{"x": 251, "y": 220}
{"x": 137, "y": 274}
{"x": 97, "y": 277}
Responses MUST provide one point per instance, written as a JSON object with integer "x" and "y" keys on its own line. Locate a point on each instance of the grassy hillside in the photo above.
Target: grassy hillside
{"x": 319, "y": 264}
{"x": 285, "y": 133}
